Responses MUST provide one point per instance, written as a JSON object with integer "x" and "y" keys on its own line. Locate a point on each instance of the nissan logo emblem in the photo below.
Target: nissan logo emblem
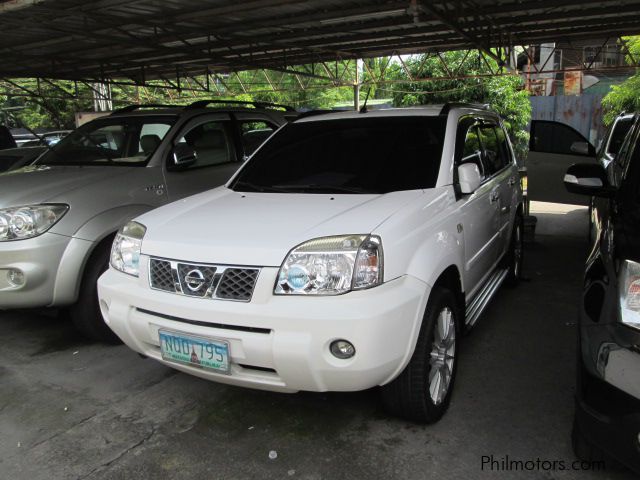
{"x": 194, "y": 280}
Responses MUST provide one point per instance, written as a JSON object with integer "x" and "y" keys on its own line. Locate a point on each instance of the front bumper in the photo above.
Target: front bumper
{"x": 278, "y": 343}
{"x": 608, "y": 393}
{"x": 48, "y": 263}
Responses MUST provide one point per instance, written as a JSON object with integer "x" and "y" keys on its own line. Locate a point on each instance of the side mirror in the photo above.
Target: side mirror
{"x": 469, "y": 177}
{"x": 182, "y": 156}
{"x": 581, "y": 148}
{"x": 587, "y": 179}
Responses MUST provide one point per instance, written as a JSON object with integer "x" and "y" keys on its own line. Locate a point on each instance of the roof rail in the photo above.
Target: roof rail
{"x": 131, "y": 108}
{"x": 446, "y": 108}
{"x": 256, "y": 104}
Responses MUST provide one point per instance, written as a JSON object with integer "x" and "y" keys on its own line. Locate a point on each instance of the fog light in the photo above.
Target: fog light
{"x": 342, "y": 349}
{"x": 15, "y": 277}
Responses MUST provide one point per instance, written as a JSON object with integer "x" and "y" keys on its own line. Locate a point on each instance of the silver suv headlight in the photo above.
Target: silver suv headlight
{"x": 125, "y": 252}
{"x": 19, "y": 223}
{"x": 332, "y": 266}
{"x": 629, "y": 289}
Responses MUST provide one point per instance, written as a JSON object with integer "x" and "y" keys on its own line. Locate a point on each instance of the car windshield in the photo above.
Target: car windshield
{"x": 357, "y": 155}
{"x": 124, "y": 141}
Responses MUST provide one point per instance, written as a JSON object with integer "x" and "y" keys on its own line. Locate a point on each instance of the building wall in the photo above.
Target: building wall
{"x": 582, "y": 112}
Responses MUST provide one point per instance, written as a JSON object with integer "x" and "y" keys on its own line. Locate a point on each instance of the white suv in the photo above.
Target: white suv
{"x": 352, "y": 250}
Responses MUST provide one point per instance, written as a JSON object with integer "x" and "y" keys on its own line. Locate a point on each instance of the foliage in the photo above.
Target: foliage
{"x": 505, "y": 93}
{"x": 625, "y": 96}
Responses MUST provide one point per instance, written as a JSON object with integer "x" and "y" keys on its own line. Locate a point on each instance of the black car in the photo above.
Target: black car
{"x": 12, "y": 158}
{"x": 607, "y": 419}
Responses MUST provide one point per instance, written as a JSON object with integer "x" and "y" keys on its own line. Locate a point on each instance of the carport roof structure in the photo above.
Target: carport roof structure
{"x": 150, "y": 39}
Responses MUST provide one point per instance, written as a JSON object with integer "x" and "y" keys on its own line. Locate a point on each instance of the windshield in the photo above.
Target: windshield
{"x": 128, "y": 141}
{"x": 356, "y": 155}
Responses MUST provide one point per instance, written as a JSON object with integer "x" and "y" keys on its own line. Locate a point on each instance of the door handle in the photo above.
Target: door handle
{"x": 506, "y": 209}
{"x": 494, "y": 196}
{"x": 512, "y": 181}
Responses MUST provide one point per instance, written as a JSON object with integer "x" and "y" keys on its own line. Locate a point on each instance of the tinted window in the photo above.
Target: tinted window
{"x": 554, "y": 137}
{"x": 491, "y": 158}
{"x": 363, "y": 155}
{"x": 109, "y": 141}
{"x": 472, "y": 149}
{"x": 211, "y": 142}
{"x": 254, "y": 133}
{"x": 620, "y": 130}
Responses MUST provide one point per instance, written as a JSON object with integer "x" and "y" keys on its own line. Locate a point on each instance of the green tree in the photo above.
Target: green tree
{"x": 626, "y": 96}
{"x": 504, "y": 93}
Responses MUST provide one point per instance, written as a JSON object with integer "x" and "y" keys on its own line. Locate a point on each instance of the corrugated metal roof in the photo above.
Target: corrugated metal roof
{"x": 145, "y": 39}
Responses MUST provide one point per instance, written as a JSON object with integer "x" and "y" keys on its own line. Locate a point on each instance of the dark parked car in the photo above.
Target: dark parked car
{"x": 12, "y": 158}
{"x": 607, "y": 420}
{"x": 6, "y": 139}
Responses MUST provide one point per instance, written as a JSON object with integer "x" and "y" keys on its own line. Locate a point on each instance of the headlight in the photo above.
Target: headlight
{"x": 125, "y": 253}
{"x": 629, "y": 289}
{"x": 331, "y": 266}
{"x": 29, "y": 221}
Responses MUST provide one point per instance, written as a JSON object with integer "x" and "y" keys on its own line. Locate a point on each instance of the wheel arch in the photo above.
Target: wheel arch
{"x": 84, "y": 245}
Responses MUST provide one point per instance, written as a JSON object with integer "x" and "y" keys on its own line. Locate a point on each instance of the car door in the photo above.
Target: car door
{"x": 479, "y": 210}
{"x": 554, "y": 147}
{"x": 498, "y": 157}
{"x": 212, "y": 137}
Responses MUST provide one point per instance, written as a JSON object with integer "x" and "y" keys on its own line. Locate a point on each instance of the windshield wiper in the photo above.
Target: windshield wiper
{"x": 314, "y": 187}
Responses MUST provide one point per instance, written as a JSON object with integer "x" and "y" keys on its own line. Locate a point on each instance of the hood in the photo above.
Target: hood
{"x": 227, "y": 227}
{"x": 42, "y": 183}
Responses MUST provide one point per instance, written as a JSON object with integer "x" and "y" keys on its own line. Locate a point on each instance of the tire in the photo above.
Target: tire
{"x": 412, "y": 395}
{"x": 514, "y": 257}
{"x": 85, "y": 313}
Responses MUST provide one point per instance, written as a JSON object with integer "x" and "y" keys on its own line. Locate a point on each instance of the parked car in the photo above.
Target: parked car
{"x": 352, "y": 250}
{"x": 13, "y": 158}
{"x": 6, "y": 139}
{"x": 48, "y": 138}
{"x": 607, "y": 419}
{"x": 59, "y": 216}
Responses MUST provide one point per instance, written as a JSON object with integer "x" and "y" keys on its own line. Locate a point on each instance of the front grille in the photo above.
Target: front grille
{"x": 203, "y": 280}
{"x": 161, "y": 275}
{"x": 237, "y": 284}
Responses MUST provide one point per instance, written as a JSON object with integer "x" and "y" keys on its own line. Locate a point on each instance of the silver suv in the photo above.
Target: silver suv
{"x": 59, "y": 215}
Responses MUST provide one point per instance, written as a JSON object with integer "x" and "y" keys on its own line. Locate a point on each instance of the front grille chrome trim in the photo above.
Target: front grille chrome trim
{"x": 231, "y": 283}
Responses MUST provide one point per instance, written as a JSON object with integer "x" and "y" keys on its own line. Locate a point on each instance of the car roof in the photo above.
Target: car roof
{"x": 421, "y": 111}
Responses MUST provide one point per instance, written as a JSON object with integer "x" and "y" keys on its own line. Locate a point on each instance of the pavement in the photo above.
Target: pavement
{"x": 71, "y": 409}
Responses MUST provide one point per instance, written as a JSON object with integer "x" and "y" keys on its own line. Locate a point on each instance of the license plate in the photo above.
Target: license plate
{"x": 205, "y": 353}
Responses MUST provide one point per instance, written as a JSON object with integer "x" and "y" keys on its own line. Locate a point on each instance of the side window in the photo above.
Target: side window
{"x": 472, "y": 149}
{"x": 211, "y": 142}
{"x": 620, "y": 130}
{"x": 253, "y": 134}
{"x": 553, "y": 137}
{"x": 491, "y": 157}
{"x": 503, "y": 147}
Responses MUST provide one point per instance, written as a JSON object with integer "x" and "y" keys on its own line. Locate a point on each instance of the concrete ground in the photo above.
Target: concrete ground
{"x": 73, "y": 409}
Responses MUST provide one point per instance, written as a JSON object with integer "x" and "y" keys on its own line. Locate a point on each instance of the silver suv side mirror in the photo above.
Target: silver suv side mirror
{"x": 469, "y": 178}
{"x": 182, "y": 156}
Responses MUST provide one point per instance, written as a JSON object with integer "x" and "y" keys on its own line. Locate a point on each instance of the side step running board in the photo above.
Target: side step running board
{"x": 484, "y": 296}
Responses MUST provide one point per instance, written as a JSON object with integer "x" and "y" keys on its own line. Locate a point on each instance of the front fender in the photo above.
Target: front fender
{"x": 83, "y": 244}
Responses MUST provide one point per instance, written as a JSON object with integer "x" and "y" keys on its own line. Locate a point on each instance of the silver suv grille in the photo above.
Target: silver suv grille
{"x": 203, "y": 281}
